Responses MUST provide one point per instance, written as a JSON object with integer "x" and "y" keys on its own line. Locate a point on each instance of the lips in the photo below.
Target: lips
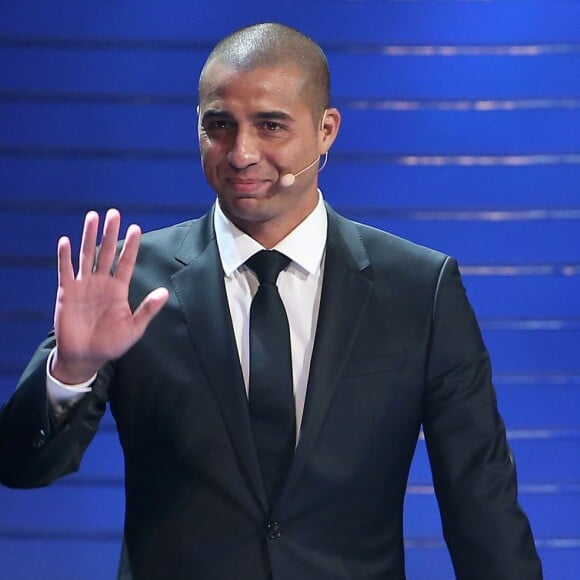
{"x": 247, "y": 186}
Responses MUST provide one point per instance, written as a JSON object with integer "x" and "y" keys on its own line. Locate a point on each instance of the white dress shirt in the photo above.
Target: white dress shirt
{"x": 300, "y": 286}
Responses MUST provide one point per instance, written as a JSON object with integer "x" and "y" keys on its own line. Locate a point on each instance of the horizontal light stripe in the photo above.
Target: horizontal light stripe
{"x": 522, "y": 270}
{"x": 551, "y": 543}
{"x": 504, "y": 380}
{"x": 478, "y": 160}
{"x": 57, "y": 535}
{"x": 85, "y": 43}
{"x": 534, "y": 434}
{"x": 412, "y": 489}
{"x": 451, "y": 214}
{"x": 458, "y": 105}
{"x": 191, "y": 154}
{"x": 450, "y": 50}
{"x": 427, "y": 50}
{"x": 523, "y": 488}
{"x": 530, "y": 324}
{"x": 23, "y": 316}
{"x": 97, "y": 153}
{"x": 30, "y": 316}
{"x": 117, "y": 536}
{"x": 186, "y": 100}
{"x": 542, "y": 434}
{"x": 16, "y": 204}
{"x": 556, "y": 488}
{"x": 189, "y": 100}
{"x": 553, "y": 379}
{"x": 88, "y": 481}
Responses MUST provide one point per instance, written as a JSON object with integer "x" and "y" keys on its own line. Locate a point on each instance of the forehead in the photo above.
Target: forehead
{"x": 282, "y": 85}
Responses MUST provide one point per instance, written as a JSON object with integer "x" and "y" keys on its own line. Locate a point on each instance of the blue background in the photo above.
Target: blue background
{"x": 461, "y": 131}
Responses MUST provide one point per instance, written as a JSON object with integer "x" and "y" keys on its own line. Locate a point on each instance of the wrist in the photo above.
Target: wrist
{"x": 70, "y": 372}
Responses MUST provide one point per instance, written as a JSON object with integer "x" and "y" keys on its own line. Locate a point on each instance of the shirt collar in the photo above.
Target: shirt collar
{"x": 304, "y": 245}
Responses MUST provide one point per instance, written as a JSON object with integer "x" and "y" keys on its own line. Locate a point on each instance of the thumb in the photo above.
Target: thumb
{"x": 149, "y": 308}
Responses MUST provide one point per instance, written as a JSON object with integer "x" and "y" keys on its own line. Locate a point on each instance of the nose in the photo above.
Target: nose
{"x": 244, "y": 151}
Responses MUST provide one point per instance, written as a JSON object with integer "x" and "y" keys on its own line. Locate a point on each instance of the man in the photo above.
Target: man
{"x": 382, "y": 341}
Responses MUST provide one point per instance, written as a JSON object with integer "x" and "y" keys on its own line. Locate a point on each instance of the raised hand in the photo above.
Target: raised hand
{"x": 93, "y": 321}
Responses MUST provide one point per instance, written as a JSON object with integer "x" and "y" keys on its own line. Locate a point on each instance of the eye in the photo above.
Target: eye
{"x": 271, "y": 126}
{"x": 218, "y": 125}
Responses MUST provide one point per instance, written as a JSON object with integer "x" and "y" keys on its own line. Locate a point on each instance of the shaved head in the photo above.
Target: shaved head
{"x": 273, "y": 45}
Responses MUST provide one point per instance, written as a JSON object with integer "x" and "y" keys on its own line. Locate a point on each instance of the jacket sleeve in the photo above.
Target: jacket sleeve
{"x": 474, "y": 474}
{"x": 34, "y": 449}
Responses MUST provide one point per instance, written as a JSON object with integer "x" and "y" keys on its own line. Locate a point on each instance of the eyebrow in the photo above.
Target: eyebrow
{"x": 262, "y": 116}
{"x": 278, "y": 115}
{"x": 216, "y": 113}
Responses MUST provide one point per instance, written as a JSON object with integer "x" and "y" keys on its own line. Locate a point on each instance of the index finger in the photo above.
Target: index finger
{"x": 65, "y": 267}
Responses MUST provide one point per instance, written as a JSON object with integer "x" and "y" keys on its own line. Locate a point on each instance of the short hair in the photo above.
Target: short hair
{"x": 269, "y": 44}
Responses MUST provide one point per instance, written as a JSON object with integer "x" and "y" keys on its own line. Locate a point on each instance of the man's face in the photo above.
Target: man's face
{"x": 254, "y": 127}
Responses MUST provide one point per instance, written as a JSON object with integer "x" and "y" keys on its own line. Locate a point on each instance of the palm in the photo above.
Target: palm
{"x": 93, "y": 320}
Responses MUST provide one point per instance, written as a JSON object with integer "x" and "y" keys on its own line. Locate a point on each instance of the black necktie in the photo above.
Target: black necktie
{"x": 271, "y": 392}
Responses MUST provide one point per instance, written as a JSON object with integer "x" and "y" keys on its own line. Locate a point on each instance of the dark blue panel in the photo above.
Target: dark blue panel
{"x": 29, "y": 293}
{"x": 109, "y": 72}
{"x": 356, "y": 183}
{"x": 460, "y": 132}
{"x": 536, "y": 350}
{"x": 548, "y": 515}
{"x": 532, "y": 242}
{"x": 454, "y": 77}
{"x": 495, "y": 243}
{"x": 104, "y": 126}
{"x": 356, "y": 76}
{"x": 421, "y": 517}
{"x": 88, "y": 510}
{"x": 531, "y": 297}
{"x": 103, "y": 459}
{"x": 432, "y": 561}
{"x": 401, "y": 22}
{"x": 59, "y": 559}
{"x": 548, "y": 460}
{"x": 561, "y": 563}
{"x": 539, "y": 406}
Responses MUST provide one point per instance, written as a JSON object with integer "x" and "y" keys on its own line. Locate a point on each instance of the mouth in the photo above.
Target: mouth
{"x": 246, "y": 186}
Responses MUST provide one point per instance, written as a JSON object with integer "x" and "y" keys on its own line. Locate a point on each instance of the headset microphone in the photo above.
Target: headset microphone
{"x": 288, "y": 179}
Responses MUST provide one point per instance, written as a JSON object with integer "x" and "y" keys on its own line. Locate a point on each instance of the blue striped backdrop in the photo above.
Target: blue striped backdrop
{"x": 461, "y": 131}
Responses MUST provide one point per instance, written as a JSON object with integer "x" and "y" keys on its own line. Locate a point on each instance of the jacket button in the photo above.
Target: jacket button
{"x": 273, "y": 530}
{"x": 39, "y": 439}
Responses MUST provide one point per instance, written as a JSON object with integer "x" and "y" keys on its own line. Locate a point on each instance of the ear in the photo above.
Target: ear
{"x": 329, "y": 125}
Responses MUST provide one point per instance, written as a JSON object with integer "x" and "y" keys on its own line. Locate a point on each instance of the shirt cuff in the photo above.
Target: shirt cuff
{"x": 61, "y": 395}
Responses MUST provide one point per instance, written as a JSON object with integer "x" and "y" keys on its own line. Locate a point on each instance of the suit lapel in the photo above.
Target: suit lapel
{"x": 200, "y": 289}
{"x": 345, "y": 293}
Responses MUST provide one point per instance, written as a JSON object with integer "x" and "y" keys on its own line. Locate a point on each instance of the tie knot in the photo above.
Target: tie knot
{"x": 267, "y": 264}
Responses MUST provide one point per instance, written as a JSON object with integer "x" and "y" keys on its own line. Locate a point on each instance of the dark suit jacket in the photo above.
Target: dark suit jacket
{"x": 397, "y": 347}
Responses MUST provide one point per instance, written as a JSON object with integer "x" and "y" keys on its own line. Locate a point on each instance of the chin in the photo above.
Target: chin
{"x": 246, "y": 209}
